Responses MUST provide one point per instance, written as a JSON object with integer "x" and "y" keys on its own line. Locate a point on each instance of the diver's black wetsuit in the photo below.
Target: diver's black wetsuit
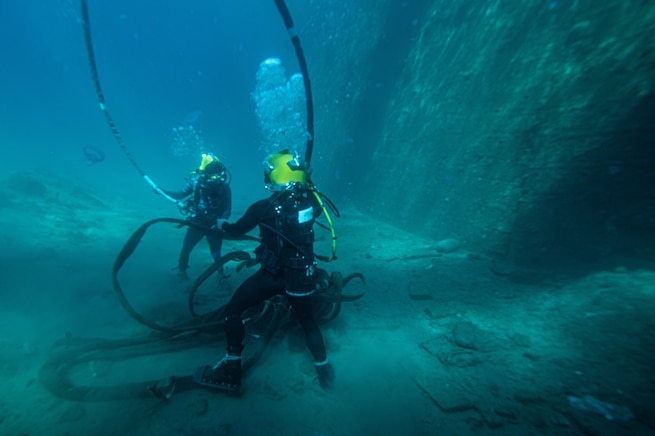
{"x": 270, "y": 280}
{"x": 209, "y": 201}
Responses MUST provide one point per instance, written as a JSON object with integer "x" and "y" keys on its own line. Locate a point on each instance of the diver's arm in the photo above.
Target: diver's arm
{"x": 176, "y": 195}
{"x": 248, "y": 221}
{"x": 180, "y": 195}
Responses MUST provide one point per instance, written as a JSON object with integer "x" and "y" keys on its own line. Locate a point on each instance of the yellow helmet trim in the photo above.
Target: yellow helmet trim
{"x": 207, "y": 158}
{"x": 280, "y": 173}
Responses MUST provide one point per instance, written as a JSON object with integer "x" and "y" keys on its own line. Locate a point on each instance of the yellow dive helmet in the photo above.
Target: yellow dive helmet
{"x": 206, "y": 159}
{"x": 284, "y": 170}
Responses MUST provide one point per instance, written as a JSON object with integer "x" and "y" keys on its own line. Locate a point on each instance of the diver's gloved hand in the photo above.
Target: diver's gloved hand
{"x": 220, "y": 222}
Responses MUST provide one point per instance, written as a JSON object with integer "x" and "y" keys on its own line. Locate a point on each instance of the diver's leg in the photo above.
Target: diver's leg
{"x": 215, "y": 245}
{"x": 226, "y": 374}
{"x": 191, "y": 239}
{"x": 258, "y": 287}
{"x": 303, "y": 308}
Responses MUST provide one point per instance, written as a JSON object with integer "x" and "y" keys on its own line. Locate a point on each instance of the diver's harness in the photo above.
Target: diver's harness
{"x": 294, "y": 229}
{"x": 293, "y": 253}
{"x": 199, "y": 202}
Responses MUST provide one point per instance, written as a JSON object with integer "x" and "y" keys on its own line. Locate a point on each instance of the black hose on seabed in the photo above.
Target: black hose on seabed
{"x": 261, "y": 324}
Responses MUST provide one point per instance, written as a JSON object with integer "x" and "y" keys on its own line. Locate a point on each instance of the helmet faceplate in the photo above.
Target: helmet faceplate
{"x": 284, "y": 170}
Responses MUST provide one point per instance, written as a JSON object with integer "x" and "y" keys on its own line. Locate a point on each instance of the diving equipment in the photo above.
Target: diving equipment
{"x": 206, "y": 159}
{"x": 225, "y": 375}
{"x": 285, "y": 170}
{"x": 294, "y": 223}
{"x": 215, "y": 172}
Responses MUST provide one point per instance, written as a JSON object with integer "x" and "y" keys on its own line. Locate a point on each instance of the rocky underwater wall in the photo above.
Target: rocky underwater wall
{"x": 526, "y": 129}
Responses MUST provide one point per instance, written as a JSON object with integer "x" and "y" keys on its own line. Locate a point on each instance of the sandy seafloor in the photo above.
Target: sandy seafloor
{"x": 441, "y": 343}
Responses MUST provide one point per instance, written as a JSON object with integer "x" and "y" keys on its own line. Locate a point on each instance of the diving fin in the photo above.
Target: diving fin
{"x": 217, "y": 378}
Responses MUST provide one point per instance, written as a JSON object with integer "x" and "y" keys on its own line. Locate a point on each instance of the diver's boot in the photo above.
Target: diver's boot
{"x": 226, "y": 374}
{"x": 325, "y": 373}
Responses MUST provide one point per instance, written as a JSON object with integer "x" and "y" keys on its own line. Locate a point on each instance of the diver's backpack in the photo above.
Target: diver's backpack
{"x": 295, "y": 232}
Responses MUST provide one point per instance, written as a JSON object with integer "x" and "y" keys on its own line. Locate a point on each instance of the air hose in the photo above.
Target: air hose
{"x": 262, "y": 321}
{"x": 295, "y": 40}
{"x": 302, "y": 62}
{"x": 101, "y": 100}
{"x": 329, "y": 295}
{"x": 128, "y": 250}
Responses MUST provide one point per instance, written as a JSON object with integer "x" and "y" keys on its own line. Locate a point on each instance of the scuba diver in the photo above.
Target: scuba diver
{"x": 287, "y": 266}
{"x": 206, "y": 198}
